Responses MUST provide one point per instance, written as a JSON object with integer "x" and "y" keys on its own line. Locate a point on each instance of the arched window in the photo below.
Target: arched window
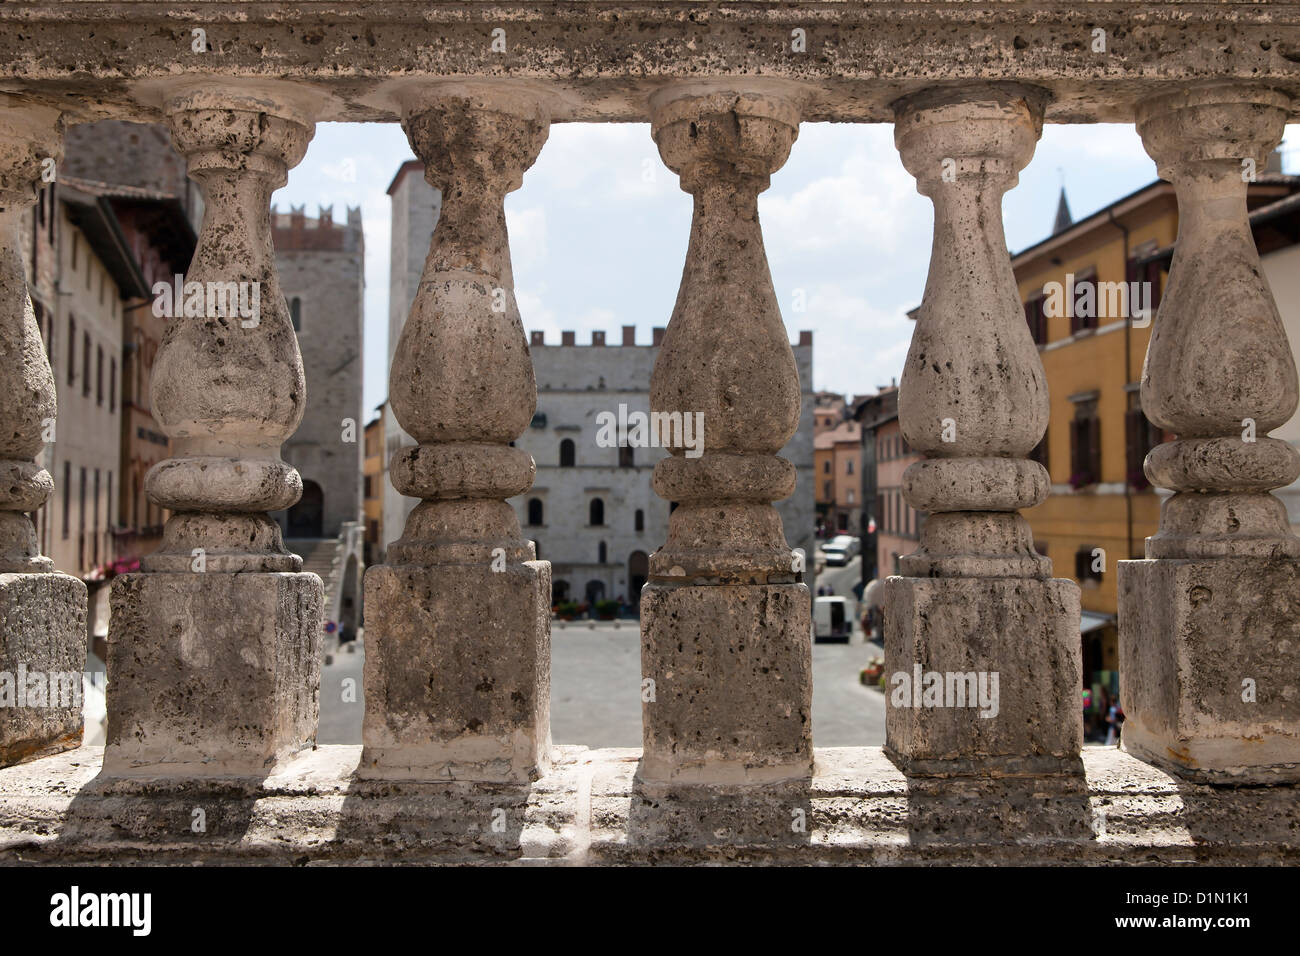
{"x": 596, "y": 514}
{"x": 566, "y": 453}
{"x": 602, "y": 553}
{"x": 295, "y": 313}
{"x": 625, "y": 457}
{"x": 640, "y": 520}
{"x": 534, "y": 511}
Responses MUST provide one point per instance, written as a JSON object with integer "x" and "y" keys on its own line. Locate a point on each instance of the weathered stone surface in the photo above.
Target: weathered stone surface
{"x": 602, "y": 59}
{"x": 42, "y": 634}
{"x": 458, "y": 621}
{"x": 1210, "y": 666}
{"x": 732, "y": 683}
{"x": 973, "y": 396}
{"x": 228, "y": 387}
{"x": 31, "y": 144}
{"x": 457, "y": 672}
{"x": 857, "y": 809}
{"x": 726, "y": 361}
{"x": 212, "y": 674}
{"x": 1208, "y": 142}
{"x": 1023, "y": 630}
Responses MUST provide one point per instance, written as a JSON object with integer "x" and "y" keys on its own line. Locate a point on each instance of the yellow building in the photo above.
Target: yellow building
{"x": 1090, "y": 292}
{"x": 373, "y": 504}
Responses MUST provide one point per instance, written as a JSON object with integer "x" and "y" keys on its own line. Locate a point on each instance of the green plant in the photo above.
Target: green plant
{"x": 607, "y": 608}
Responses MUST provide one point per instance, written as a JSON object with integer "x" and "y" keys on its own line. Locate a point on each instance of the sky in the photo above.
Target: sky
{"x": 598, "y": 231}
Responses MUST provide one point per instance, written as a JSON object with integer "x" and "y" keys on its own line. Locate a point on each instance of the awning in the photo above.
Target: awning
{"x": 1092, "y": 621}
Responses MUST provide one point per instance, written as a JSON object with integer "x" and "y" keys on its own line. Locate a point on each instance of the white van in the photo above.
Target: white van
{"x": 836, "y": 555}
{"x": 848, "y": 542}
{"x": 832, "y": 619}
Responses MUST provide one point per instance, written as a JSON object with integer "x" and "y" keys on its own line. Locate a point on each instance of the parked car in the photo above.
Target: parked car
{"x": 832, "y": 620}
{"x": 850, "y": 544}
{"x": 836, "y": 554}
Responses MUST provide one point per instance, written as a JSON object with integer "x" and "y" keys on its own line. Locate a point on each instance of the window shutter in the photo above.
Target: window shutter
{"x": 1094, "y": 449}
{"x": 1076, "y": 450}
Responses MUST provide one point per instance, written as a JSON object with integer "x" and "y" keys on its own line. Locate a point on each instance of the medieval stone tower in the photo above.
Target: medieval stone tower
{"x": 321, "y": 267}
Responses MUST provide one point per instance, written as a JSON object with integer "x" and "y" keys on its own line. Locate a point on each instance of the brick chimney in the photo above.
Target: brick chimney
{"x": 805, "y": 337}
{"x": 629, "y": 335}
{"x": 538, "y": 338}
{"x": 658, "y": 335}
{"x": 566, "y": 338}
{"x": 597, "y": 338}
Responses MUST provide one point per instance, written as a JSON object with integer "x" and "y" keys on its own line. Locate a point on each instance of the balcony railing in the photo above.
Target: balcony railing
{"x": 214, "y": 657}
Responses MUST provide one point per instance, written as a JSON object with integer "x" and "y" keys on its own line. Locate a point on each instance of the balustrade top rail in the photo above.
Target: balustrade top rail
{"x": 602, "y": 58}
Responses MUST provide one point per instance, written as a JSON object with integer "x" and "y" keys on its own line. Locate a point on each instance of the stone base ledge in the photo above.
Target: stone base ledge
{"x": 859, "y": 809}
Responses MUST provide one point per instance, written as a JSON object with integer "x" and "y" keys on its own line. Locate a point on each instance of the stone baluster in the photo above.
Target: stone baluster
{"x": 214, "y": 646}
{"x": 725, "y": 617}
{"x": 1210, "y": 621}
{"x": 42, "y": 612}
{"x": 457, "y": 671}
{"x": 976, "y": 600}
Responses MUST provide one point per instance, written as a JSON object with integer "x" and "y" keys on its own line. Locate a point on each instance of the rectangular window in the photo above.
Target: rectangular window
{"x": 94, "y": 533}
{"x": 72, "y": 350}
{"x": 76, "y": 241}
{"x": 1150, "y": 274}
{"x": 85, "y": 363}
{"x": 1140, "y": 436}
{"x": 81, "y": 522}
{"x": 849, "y": 467}
{"x": 1083, "y": 308}
{"x": 99, "y": 375}
{"x": 1085, "y": 445}
{"x": 1087, "y": 568}
{"x": 1039, "y": 452}
{"x": 112, "y": 385}
{"x": 1036, "y": 318}
{"x": 67, "y": 496}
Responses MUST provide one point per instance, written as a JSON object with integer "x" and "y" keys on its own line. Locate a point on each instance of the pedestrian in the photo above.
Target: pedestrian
{"x": 1114, "y": 720}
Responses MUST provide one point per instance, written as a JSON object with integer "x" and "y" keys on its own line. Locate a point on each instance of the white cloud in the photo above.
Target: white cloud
{"x": 527, "y": 228}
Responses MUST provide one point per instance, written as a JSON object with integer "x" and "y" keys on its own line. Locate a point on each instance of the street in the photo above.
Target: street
{"x": 596, "y": 685}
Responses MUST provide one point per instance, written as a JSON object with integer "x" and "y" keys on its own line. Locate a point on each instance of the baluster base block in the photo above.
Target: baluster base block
{"x": 457, "y": 672}
{"x": 732, "y": 672}
{"x": 42, "y": 648}
{"x": 212, "y": 673}
{"x": 1192, "y": 634}
{"x": 1019, "y": 637}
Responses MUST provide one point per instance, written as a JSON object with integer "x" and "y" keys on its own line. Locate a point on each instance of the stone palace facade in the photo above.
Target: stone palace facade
{"x": 213, "y": 654}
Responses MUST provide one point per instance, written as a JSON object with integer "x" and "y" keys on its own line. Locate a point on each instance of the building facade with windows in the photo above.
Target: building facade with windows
{"x": 322, "y": 275}
{"x": 898, "y": 525}
{"x": 591, "y": 510}
{"x": 838, "y": 468}
{"x": 83, "y": 320}
{"x": 1090, "y": 292}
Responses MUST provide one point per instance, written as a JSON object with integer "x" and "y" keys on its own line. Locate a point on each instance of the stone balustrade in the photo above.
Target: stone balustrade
{"x": 214, "y": 644}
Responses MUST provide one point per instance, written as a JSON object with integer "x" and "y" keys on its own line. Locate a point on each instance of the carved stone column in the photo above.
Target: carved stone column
{"x": 214, "y": 663}
{"x": 42, "y": 612}
{"x": 458, "y": 623}
{"x": 1210, "y": 622}
{"x": 976, "y": 600}
{"x": 725, "y": 617}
